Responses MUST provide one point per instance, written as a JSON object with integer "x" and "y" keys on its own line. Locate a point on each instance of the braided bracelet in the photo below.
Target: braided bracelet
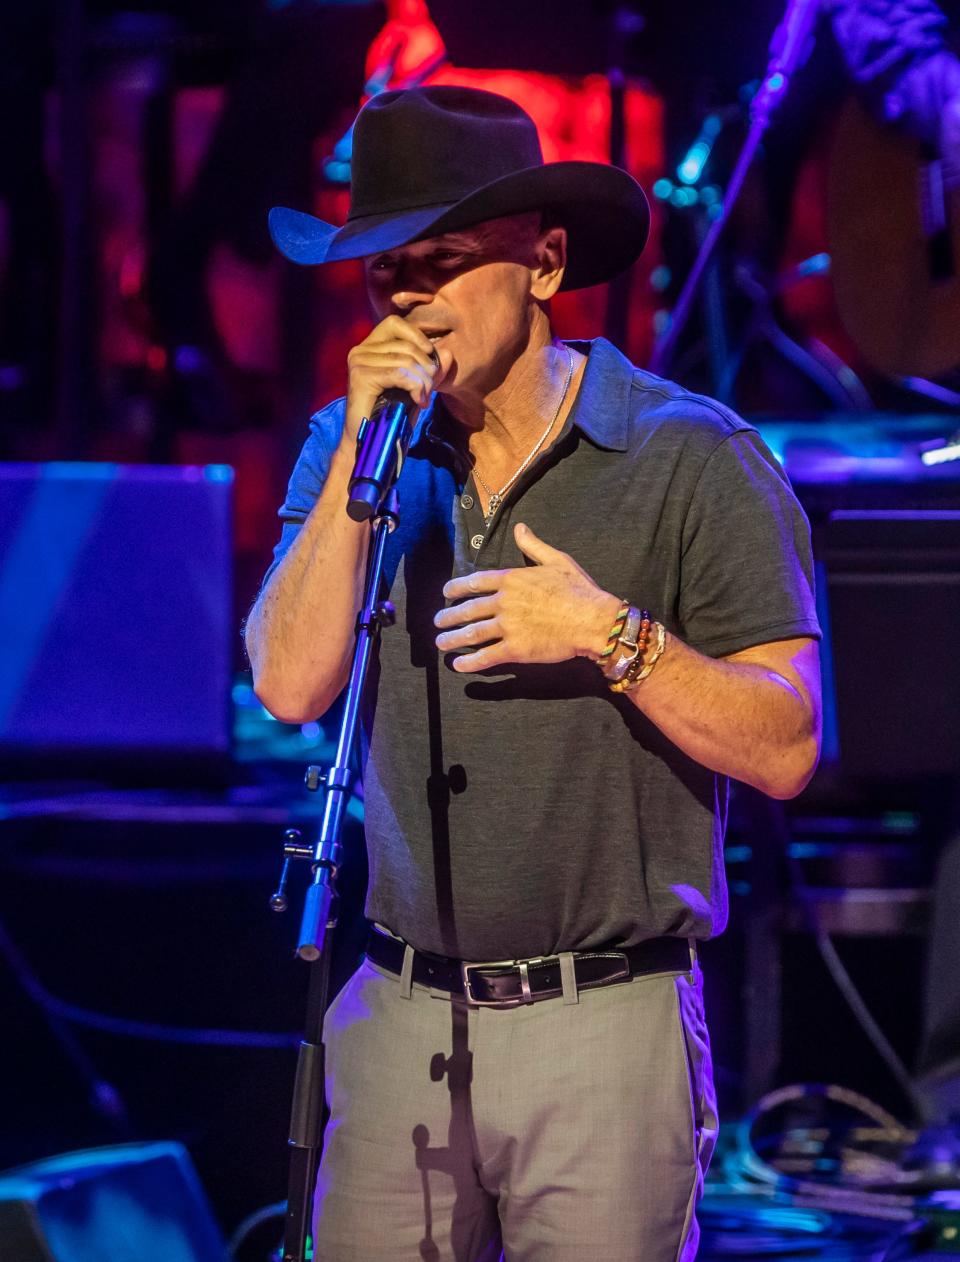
{"x": 633, "y": 636}
{"x": 629, "y": 638}
{"x": 641, "y": 670}
{"x": 613, "y": 639}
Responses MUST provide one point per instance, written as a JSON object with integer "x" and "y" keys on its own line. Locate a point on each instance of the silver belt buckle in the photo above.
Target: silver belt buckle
{"x": 471, "y": 998}
{"x": 525, "y": 993}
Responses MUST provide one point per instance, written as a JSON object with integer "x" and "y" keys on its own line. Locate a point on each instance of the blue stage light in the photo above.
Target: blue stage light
{"x": 683, "y": 197}
{"x": 691, "y": 168}
{"x": 815, "y": 265}
{"x": 660, "y": 278}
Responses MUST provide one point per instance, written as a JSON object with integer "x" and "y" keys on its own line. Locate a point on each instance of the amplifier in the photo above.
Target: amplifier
{"x": 115, "y": 610}
{"x": 130, "y": 1203}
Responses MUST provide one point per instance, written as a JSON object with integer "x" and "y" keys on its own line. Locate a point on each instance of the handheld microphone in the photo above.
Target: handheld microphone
{"x": 381, "y": 447}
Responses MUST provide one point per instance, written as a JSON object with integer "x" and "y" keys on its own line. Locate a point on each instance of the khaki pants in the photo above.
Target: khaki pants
{"x": 573, "y": 1128}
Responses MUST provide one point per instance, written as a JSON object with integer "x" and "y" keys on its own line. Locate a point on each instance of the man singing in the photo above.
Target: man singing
{"x": 604, "y": 611}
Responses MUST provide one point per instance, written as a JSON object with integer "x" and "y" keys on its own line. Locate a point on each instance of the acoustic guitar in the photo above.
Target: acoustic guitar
{"x": 894, "y": 225}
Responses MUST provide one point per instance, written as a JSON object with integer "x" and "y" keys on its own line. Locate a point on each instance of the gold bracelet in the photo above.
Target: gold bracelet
{"x": 631, "y": 680}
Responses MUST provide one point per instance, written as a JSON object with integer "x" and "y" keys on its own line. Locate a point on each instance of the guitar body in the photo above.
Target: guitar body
{"x": 894, "y": 225}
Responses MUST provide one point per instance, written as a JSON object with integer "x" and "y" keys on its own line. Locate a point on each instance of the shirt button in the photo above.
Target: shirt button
{"x": 476, "y": 541}
{"x": 466, "y": 501}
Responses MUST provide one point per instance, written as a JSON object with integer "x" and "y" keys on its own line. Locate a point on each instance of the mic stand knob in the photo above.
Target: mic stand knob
{"x": 313, "y": 778}
{"x": 293, "y": 848}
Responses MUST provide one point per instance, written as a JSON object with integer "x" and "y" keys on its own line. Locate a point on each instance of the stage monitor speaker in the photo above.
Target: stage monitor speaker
{"x": 115, "y": 610}
{"x": 131, "y": 1203}
{"x": 893, "y": 601}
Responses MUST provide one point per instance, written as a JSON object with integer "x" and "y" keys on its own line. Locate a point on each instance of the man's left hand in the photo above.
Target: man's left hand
{"x": 548, "y": 612}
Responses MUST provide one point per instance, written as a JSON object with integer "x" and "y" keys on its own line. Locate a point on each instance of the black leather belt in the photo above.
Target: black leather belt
{"x": 506, "y": 983}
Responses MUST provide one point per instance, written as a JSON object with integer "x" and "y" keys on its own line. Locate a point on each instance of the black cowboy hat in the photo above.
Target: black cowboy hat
{"x": 432, "y": 160}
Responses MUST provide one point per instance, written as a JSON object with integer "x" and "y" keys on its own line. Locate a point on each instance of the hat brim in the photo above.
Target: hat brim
{"x": 603, "y": 209}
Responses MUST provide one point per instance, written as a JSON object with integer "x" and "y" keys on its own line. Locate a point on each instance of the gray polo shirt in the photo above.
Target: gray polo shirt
{"x": 530, "y": 810}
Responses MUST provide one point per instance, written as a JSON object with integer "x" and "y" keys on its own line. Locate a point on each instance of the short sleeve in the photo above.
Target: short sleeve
{"x": 746, "y": 571}
{"x": 309, "y": 475}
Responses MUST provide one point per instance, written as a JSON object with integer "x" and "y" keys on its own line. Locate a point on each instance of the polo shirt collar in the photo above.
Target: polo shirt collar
{"x": 433, "y": 431}
{"x": 600, "y": 410}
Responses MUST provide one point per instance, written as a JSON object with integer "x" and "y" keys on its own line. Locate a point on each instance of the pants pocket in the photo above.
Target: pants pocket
{"x": 696, "y": 1041}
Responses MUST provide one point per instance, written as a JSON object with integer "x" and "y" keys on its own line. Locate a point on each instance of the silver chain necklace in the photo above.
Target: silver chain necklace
{"x": 495, "y": 498}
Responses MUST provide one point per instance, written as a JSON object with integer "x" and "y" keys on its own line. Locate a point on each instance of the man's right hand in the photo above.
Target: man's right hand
{"x": 298, "y": 673}
{"x": 396, "y": 355}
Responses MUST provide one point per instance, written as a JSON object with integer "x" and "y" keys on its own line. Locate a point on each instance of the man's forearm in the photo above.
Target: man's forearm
{"x": 740, "y": 718}
{"x": 300, "y": 633}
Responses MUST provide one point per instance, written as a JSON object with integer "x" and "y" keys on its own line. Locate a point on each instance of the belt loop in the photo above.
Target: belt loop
{"x": 692, "y": 944}
{"x": 406, "y": 972}
{"x": 568, "y": 978}
{"x": 526, "y": 995}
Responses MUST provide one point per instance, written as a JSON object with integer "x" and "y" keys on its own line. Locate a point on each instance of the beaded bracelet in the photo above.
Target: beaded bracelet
{"x": 640, "y": 670}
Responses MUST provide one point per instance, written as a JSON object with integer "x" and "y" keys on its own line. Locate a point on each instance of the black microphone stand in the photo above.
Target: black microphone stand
{"x": 789, "y": 48}
{"x": 381, "y": 446}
